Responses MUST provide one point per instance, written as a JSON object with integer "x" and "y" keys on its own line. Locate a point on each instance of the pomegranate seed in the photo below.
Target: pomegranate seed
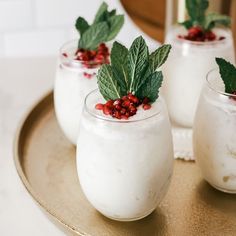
{"x": 124, "y": 117}
{"x": 117, "y": 102}
{"x": 107, "y": 110}
{"x": 210, "y": 36}
{"x": 87, "y": 75}
{"x": 145, "y": 100}
{"x": 64, "y": 54}
{"x": 146, "y": 106}
{"x": 126, "y": 103}
{"x": 99, "y": 106}
{"x": 221, "y": 38}
{"x": 109, "y": 103}
{"x": 118, "y": 107}
{"x": 123, "y": 111}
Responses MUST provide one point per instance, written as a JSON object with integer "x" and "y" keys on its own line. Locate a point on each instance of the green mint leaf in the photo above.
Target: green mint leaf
{"x": 94, "y": 35}
{"x": 112, "y": 13}
{"x": 213, "y": 18}
{"x": 101, "y": 13}
{"x": 156, "y": 60}
{"x": 197, "y": 9}
{"x": 115, "y": 24}
{"x": 119, "y": 54}
{"x": 151, "y": 86}
{"x": 137, "y": 63}
{"x": 159, "y": 56}
{"x": 187, "y": 24}
{"x": 107, "y": 84}
{"x": 228, "y": 74}
{"x": 81, "y": 25}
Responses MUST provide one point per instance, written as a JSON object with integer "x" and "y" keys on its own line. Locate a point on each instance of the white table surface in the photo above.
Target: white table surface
{"x": 22, "y": 83}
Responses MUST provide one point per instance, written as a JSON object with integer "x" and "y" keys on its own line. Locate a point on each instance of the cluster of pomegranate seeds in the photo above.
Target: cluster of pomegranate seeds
{"x": 93, "y": 58}
{"x": 124, "y": 107}
{"x": 197, "y": 34}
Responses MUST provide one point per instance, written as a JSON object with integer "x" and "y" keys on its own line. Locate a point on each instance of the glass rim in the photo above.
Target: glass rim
{"x": 206, "y": 43}
{"x": 209, "y": 84}
{"x": 113, "y": 120}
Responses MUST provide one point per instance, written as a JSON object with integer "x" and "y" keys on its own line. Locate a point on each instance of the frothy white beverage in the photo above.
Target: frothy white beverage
{"x": 125, "y": 167}
{"x": 70, "y": 89}
{"x": 186, "y": 68}
{"x": 214, "y": 137}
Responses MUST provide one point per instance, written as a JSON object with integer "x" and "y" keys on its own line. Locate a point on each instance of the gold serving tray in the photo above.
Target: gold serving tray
{"x": 45, "y": 161}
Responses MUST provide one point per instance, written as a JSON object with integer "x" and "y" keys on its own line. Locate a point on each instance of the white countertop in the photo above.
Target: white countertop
{"x": 22, "y": 83}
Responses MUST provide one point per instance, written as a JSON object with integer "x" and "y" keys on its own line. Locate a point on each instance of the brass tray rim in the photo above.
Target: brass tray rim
{"x": 24, "y": 120}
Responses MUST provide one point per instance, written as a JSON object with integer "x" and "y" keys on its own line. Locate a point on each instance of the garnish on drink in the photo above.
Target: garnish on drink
{"x": 201, "y": 24}
{"x": 131, "y": 80}
{"x": 92, "y": 50}
{"x": 228, "y": 75}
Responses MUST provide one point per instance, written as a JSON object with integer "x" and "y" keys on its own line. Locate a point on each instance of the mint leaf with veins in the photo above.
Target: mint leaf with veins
{"x": 94, "y": 35}
{"x": 115, "y": 24}
{"x": 107, "y": 83}
{"x": 101, "y": 13}
{"x": 212, "y": 19}
{"x": 198, "y": 17}
{"x": 119, "y": 54}
{"x": 133, "y": 70}
{"x": 105, "y": 27}
{"x": 228, "y": 75}
{"x": 137, "y": 62}
{"x": 159, "y": 56}
{"x": 81, "y": 25}
{"x": 151, "y": 86}
{"x": 196, "y": 10}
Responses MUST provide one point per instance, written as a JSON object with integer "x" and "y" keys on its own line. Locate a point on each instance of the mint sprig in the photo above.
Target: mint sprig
{"x": 198, "y": 17}
{"x": 228, "y": 75}
{"x": 105, "y": 27}
{"x": 133, "y": 71}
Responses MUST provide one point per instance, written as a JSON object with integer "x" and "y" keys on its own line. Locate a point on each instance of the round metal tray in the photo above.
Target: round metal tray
{"x": 45, "y": 161}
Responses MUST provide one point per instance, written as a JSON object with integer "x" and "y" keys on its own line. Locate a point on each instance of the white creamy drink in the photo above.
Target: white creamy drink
{"x": 124, "y": 166}
{"x": 186, "y": 68}
{"x": 70, "y": 89}
{"x": 78, "y": 65}
{"x": 214, "y": 137}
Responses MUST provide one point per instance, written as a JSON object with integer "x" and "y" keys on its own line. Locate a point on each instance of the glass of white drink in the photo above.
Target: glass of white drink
{"x": 194, "y": 50}
{"x": 78, "y": 64}
{"x": 124, "y": 150}
{"x": 214, "y": 136}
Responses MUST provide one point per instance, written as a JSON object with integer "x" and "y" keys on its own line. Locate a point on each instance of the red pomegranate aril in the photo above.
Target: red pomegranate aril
{"x": 107, "y": 110}
{"x": 146, "y": 106}
{"x": 126, "y": 103}
{"x": 210, "y": 36}
{"x": 109, "y": 103}
{"x": 117, "y": 102}
{"x": 64, "y": 54}
{"x": 221, "y": 38}
{"x": 118, "y": 107}
{"x": 124, "y": 117}
{"x": 122, "y": 111}
{"x": 99, "y": 106}
{"x": 145, "y": 100}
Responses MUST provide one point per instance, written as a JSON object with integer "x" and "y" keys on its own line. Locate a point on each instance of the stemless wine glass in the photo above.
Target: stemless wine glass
{"x": 214, "y": 136}
{"x": 186, "y": 68}
{"x": 124, "y": 166}
{"x": 73, "y": 82}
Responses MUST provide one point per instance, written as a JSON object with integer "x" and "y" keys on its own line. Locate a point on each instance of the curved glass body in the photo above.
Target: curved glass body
{"x": 70, "y": 89}
{"x": 124, "y": 167}
{"x": 186, "y": 68}
{"x": 214, "y": 136}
